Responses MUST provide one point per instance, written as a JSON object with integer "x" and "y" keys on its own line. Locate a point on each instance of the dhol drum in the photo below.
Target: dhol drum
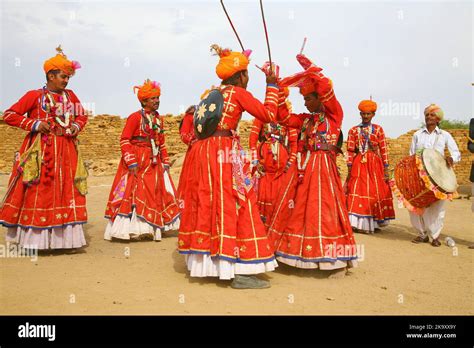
{"x": 422, "y": 179}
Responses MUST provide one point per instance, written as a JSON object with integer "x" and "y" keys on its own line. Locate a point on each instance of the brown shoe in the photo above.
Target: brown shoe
{"x": 420, "y": 239}
{"x": 435, "y": 243}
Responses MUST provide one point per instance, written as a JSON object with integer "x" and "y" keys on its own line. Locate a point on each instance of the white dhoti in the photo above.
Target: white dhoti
{"x": 431, "y": 221}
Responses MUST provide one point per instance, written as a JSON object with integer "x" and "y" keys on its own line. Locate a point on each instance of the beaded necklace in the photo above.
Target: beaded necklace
{"x": 154, "y": 128}
{"x": 50, "y": 106}
{"x": 364, "y": 139}
{"x": 313, "y": 135}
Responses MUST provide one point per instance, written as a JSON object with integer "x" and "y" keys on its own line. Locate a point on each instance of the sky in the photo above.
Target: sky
{"x": 404, "y": 54}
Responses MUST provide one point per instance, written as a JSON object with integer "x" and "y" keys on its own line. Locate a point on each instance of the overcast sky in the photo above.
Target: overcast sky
{"x": 405, "y": 54}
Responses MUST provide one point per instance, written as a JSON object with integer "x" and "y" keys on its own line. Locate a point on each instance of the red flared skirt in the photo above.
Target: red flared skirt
{"x": 54, "y": 200}
{"x": 217, "y": 221}
{"x": 369, "y": 195}
{"x": 146, "y": 192}
{"x": 318, "y": 229}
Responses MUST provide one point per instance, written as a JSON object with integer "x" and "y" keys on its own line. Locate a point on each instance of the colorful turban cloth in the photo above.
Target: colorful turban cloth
{"x": 230, "y": 62}
{"x": 368, "y": 106}
{"x": 433, "y": 108}
{"x": 148, "y": 89}
{"x": 60, "y": 62}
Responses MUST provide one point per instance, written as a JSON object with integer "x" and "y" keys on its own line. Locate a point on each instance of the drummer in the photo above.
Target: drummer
{"x": 430, "y": 223}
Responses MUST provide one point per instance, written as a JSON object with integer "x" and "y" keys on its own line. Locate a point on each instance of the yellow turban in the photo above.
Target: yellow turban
{"x": 230, "y": 62}
{"x": 368, "y": 106}
{"x": 433, "y": 108}
{"x": 60, "y": 62}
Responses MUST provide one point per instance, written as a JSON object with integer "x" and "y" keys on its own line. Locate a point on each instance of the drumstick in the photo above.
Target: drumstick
{"x": 302, "y": 47}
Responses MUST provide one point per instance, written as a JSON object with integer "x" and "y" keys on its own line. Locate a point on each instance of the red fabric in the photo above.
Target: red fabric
{"x": 188, "y": 137}
{"x": 369, "y": 195}
{"x": 215, "y": 221}
{"x": 376, "y": 138}
{"x": 136, "y": 127}
{"x": 275, "y": 187}
{"x": 54, "y": 201}
{"x": 147, "y": 189}
{"x": 187, "y": 129}
{"x": 319, "y": 220}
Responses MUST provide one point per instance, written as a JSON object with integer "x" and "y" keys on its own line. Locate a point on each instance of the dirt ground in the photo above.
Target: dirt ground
{"x": 396, "y": 277}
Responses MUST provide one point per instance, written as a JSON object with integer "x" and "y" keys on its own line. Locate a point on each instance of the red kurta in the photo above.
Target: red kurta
{"x": 146, "y": 192}
{"x": 220, "y": 216}
{"x": 318, "y": 229}
{"x": 275, "y": 147}
{"x": 369, "y": 195}
{"x": 188, "y": 137}
{"x": 53, "y": 201}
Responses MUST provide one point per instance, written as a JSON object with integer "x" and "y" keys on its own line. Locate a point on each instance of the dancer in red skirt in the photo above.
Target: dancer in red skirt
{"x": 275, "y": 147}
{"x": 142, "y": 200}
{"x": 318, "y": 233}
{"x": 186, "y": 131}
{"x": 369, "y": 199}
{"x": 45, "y": 203}
{"x": 221, "y": 232}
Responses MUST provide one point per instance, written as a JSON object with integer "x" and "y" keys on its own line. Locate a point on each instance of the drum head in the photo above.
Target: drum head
{"x": 440, "y": 174}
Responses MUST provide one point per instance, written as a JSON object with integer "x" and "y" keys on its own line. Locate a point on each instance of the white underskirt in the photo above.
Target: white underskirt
{"x": 68, "y": 237}
{"x": 135, "y": 227}
{"x": 366, "y": 223}
{"x": 324, "y": 266}
{"x": 201, "y": 265}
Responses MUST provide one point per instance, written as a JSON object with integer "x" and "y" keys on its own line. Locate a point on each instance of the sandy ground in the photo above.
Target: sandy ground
{"x": 395, "y": 277}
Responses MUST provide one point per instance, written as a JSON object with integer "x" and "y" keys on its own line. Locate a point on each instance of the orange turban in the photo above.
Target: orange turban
{"x": 230, "y": 62}
{"x": 368, "y": 106}
{"x": 60, "y": 62}
{"x": 148, "y": 89}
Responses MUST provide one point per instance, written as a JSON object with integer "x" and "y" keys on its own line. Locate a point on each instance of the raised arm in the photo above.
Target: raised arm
{"x": 265, "y": 112}
{"x": 332, "y": 107}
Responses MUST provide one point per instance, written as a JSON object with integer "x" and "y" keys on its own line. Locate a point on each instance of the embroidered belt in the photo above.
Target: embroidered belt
{"x": 326, "y": 147}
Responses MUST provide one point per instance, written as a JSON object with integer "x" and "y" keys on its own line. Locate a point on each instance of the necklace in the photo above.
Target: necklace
{"x": 153, "y": 128}
{"x": 49, "y": 105}
{"x": 364, "y": 139}
{"x": 310, "y": 141}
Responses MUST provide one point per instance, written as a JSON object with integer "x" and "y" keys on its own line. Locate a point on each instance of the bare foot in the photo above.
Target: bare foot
{"x": 338, "y": 273}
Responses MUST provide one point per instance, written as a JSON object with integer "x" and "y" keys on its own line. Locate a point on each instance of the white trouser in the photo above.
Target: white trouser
{"x": 431, "y": 221}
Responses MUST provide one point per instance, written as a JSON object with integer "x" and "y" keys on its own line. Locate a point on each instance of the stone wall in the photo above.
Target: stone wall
{"x": 100, "y": 145}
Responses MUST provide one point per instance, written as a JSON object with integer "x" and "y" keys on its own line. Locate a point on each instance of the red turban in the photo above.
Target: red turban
{"x": 230, "y": 62}
{"x": 60, "y": 62}
{"x": 148, "y": 89}
{"x": 367, "y": 106}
